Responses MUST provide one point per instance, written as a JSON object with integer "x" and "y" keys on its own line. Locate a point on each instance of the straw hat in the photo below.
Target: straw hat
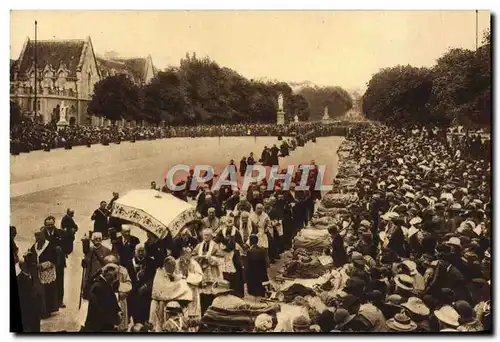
{"x": 366, "y": 223}
{"x": 220, "y": 287}
{"x": 401, "y": 322}
{"x": 394, "y": 300}
{"x": 416, "y": 306}
{"x": 173, "y": 306}
{"x": 448, "y": 315}
{"x": 454, "y": 241}
{"x": 194, "y": 279}
{"x": 411, "y": 265}
{"x": 404, "y": 282}
{"x": 415, "y": 220}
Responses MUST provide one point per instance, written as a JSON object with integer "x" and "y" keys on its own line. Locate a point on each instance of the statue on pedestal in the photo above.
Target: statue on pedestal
{"x": 280, "y": 116}
{"x": 325, "y": 116}
{"x": 280, "y": 102}
{"x": 296, "y": 118}
{"x": 63, "y": 109}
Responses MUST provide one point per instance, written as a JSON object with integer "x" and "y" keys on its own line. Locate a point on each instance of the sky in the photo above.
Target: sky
{"x": 343, "y": 48}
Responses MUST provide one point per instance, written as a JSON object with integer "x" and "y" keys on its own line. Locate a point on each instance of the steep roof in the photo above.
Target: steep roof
{"x": 54, "y": 53}
{"x": 134, "y": 67}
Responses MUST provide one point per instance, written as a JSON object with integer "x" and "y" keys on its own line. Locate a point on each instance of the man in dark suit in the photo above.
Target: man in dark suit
{"x": 104, "y": 312}
{"x": 29, "y": 302}
{"x": 69, "y": 226}
{"x": 100, "y": 218}
{"x": 142, "y": 273}
{"x": 339, "y": 254}
{"x": 256, "y": 269}
{"x": 124, "y": 247}
{"x": 114, "y": 222}
{"x": 57, "y": 237}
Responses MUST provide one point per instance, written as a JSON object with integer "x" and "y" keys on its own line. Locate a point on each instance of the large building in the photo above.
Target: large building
{"x": 67, "y": 70}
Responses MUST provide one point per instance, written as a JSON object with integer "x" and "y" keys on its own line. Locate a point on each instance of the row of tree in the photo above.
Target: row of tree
{"x": 200, "y": 91}
{"x": 457, "y": 90}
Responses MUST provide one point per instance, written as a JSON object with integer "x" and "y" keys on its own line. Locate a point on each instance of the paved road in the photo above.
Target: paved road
{"x": 45, "y": 184}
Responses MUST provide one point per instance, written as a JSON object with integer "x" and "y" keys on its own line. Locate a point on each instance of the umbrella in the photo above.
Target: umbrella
{"x": 154, "y": 212}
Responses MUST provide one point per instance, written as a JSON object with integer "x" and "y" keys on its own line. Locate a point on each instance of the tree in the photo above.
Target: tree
{"x": 462, "y": 87}
{"x": 15, "y": 113}
{"x": 338, "y": 100}
{"x": 399, "y": 95}
{"x": 300, "y": 107}
{"x": 164, "y": 99}
{"x": 117, "y": 97}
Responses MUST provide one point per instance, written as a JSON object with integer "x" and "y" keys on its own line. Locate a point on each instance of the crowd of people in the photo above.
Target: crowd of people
{"x": 33, "y": 135}
{"x": 406, "y": 246}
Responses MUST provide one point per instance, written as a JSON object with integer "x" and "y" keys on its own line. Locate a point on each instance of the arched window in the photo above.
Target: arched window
{"x": 89, "y": 76}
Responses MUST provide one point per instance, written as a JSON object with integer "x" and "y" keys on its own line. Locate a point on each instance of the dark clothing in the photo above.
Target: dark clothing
{"x": 47, "y": 293}
{"x": 339, "y": 254}
{"x": 157, "y": 251}
{"x": 256, "y": 271}
{"x": 273, "y": 156}
{"x": 182, "y": 241}
{"x": 125, "y": 249}
{"x": 243, "y": 167}
{"x": 232, "y": 202}
{"x": 142, "y": 274}
{"x": 235, "y": 280}
{"x": 29, "y": 303}
{"x": 69, "y": 226}
{"x": 101, "y": 224}
{"x": 58, "y": 238}
{"x": 103, "y": 310}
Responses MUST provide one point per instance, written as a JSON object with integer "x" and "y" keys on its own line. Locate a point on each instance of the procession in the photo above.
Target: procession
{"x": 396, "y": 246}
{"x": 193, "y": 199}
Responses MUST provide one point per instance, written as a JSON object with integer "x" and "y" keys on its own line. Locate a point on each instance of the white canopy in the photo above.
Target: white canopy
{"x": 153, "y": 211}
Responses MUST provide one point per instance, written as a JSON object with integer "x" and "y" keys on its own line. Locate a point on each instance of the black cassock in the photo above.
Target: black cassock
{"x": 47, "y": 293}
{"x": 256, "y": 271}
{"x": 29, "y": 303}
{"x": 101, "y": 224}
{"x": 58, "y": 238}
{"x": 103, "y": 309}
{"x": 142, "y": 274}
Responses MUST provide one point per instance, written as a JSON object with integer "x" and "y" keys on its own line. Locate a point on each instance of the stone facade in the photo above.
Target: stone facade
{"x": 67, "y": 70}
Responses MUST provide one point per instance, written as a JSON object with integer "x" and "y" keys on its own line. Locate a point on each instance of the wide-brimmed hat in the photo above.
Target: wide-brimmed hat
{"x": 415, "y": 220}
{"x": 454, "y": 241}
{"x": 416, "y": 306}
{"x": 456, "y": 207}
{"x": 194, "y": 279}
{"x": 220, "y": 287}
{"x": 173, "y": 306}
{"x": 404, "y": 282}
{"x": 366, "y": 223}
{"x": 401, "y": 322}
{"x": 389, "y": 216}
{"x": 448, "y": 315}
{"x": 341, "y": 317}
{"x": 394, "y": 300}
{"x": 411, "y": 265}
